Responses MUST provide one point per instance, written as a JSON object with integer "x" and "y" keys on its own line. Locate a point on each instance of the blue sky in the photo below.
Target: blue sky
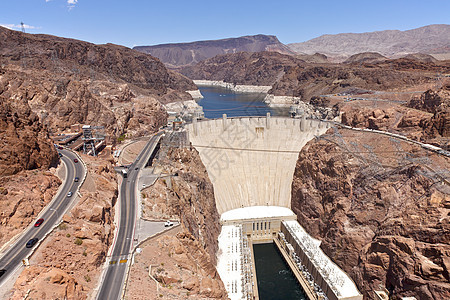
{"x": 140, "y": 22}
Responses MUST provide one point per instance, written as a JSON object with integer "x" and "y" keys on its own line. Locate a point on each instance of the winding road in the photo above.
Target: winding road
{"x": 11, "y": 258}
{"x": 113, "y": 280}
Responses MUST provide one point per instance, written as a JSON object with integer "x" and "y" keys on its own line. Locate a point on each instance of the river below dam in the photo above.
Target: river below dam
{"x": 218, "y": 101}
{"x": 275, "y": 279}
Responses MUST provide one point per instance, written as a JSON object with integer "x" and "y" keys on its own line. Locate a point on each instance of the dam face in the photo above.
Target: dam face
{"x": 251, "y": 160}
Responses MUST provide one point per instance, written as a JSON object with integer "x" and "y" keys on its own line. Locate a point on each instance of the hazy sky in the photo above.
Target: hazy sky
{"x": 151, "y": 22}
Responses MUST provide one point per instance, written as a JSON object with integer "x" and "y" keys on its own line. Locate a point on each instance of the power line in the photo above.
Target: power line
{"x": 288, "y": 151}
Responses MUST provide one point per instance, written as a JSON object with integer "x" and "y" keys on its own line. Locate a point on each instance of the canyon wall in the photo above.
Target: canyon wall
{"x": 189, "y": 196}
{"x": 380, "y": 209}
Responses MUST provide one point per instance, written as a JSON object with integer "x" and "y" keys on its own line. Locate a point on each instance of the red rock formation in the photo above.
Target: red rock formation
{"x": 25, "y": 142}
{"x": 378, "y": 212}
{"x": 190, "y": 197}
{"x": 438, "y": 103}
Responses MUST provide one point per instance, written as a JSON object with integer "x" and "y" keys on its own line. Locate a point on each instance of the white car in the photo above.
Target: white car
{"x": 168, "y": 224}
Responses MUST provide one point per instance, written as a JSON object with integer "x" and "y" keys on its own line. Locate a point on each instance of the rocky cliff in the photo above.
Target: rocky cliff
{"x": 380, "y": 210}
{"x": 432, "y": 39}
{"x": 189, "y": 197}
{"x": 436, "y": 102}
{"x": 26, "y": 154}
{"x": 68, "y": 81}
{"x": 25, "y": 142}
{"x": 424, "y": 118}
{"x": 184, "y": 54}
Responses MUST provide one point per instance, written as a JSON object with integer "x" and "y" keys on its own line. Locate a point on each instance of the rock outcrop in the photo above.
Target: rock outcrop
{"x": 25, "y": 142}
{"x": 189, "y": 196}
{"x": 185, "y": 54}
{"x": 436, "y": 102}
{"x": 366, "y": 57}
{"x": 378, "y": 212}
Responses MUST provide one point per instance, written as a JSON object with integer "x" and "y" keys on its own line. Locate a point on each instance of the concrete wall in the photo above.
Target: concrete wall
{"x": 251, "y": 161}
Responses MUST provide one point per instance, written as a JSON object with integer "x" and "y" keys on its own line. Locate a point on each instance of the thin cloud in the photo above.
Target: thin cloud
{"x": 71, "y": 3}
{"x": 18, "y": 26}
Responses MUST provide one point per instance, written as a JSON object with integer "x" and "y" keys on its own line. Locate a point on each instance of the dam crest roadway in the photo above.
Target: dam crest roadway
{"x": 250, "y": 162}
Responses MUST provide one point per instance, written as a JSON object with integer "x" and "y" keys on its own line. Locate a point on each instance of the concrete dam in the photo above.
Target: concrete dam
{"x": 250, "y": 162}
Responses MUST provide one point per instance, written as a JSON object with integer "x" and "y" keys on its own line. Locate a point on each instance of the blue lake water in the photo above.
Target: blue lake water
{"x": 275, "y": 279}
{"x": 219, "y": 100}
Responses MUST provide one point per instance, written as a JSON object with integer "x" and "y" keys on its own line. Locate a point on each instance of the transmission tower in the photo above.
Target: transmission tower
{"x": 91, "y": 135}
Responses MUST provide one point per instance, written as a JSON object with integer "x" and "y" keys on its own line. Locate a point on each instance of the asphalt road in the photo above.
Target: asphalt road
{"x": 13, "y": 256}
{"x": 113, "y": 280}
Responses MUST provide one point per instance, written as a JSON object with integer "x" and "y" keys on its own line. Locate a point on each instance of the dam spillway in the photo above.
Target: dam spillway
{"x": 251, "y": 160}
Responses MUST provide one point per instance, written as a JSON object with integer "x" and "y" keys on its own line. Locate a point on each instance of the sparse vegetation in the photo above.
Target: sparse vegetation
{"x": 62, "y": 226}
{"x": 78, "y": 241}
{"x": 87, "y": 278}
{"x": 121, "y": 138}
{"x": 68, "y": 235}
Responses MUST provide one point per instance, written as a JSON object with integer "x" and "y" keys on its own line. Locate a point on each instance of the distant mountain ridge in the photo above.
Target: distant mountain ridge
{"x": 185, "y": 54}
{"x": 431, "y": 39}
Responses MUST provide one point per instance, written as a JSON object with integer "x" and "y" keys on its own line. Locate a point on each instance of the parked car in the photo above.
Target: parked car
{"x": 76, "y": 179}
{"x": 75, "y": 160}
{"x": 60, "y": 154}
{"x": 38, "y": 222}
{"x": 168, "y": 224}
{"x": 60, "y": 148}
{"x": 32, "y": 242}
{"x": 69, "y": 194}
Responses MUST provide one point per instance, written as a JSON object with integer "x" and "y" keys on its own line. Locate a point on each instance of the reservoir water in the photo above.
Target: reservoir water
{"x": 219, "y": 100}
{"x": 275, "y": 279}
